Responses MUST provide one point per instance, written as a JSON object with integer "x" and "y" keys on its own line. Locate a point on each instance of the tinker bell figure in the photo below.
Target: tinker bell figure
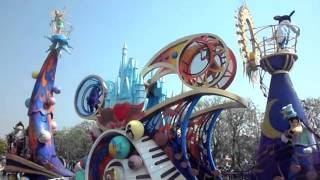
{"x": 61, "y": 32}
{"x": 58, "y": 24}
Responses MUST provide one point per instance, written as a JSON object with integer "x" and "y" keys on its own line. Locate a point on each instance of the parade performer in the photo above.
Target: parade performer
{"x": 284, "y": 28}
{"x": 302, "y": 141}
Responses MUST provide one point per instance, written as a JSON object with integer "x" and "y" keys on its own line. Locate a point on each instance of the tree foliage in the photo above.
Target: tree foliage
{"x": 237, "y": 132}
{"x": 236, "y": 135}
{"x": 3, "y": 146}
{"x": 312, "y": 112}
{"x": 74, "y": 143}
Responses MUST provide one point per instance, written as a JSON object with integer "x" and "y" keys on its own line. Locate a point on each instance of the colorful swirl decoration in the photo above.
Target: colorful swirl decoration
{"x": 201, "y": 60}
{"x": 90, "y": 97}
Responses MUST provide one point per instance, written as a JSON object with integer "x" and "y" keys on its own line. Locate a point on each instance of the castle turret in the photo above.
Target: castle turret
{"x": 124, "y": 59}
{"x": 128, "y": 86}
{"x": 130, "y": 69}
{"x": 123, "y": 79}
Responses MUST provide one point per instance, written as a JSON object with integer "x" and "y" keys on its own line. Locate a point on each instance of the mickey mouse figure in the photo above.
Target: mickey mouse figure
{"x": 283, "y": 30}
{"x": 302, "y": 141}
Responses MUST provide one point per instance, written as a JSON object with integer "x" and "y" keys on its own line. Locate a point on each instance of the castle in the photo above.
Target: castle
{"x": 128, "y": 86}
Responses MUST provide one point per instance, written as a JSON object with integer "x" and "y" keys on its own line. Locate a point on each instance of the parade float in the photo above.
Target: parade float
{"x": 166, "y": 138}
{"x": 31, "y": 150}
{"x": 162, "y": 139}
{"x": 288, "y": 145}
{"x": 169, "y": 140}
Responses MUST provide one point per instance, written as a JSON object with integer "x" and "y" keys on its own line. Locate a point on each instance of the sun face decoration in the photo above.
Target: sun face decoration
{"x": 246, "y": 34}
{"x": 247, "y": 41}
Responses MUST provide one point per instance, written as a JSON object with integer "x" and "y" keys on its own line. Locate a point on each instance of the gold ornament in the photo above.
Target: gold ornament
{"x": 247, "y": 44}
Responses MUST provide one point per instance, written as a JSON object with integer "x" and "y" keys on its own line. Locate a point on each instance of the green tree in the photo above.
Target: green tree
{"x": 73, "y": 143}
{"x": 312, "y": 112}
{"x": 3, "y": 146}
{"x": 235, "y": 129}
{"x": 239, "y": 128}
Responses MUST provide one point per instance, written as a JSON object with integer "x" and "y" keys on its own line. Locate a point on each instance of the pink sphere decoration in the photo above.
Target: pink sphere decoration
{"x": 135, "y": 162}
{"x": 44, "y": 136}
{"x": 161, "y": 138}
{"x": 295, "y": 168}
{"x": 51, "y": 101}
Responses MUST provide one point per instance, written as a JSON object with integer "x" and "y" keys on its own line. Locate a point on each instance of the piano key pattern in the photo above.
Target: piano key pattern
{"x": 157, "y": 164}
{"x": 156, "y": 160}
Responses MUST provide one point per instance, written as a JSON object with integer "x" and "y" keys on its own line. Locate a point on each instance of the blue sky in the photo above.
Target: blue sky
{"x": 101, "y": 27}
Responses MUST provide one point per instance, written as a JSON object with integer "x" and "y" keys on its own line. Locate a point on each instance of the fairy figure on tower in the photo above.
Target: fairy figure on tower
{"x": 57, "y": 23}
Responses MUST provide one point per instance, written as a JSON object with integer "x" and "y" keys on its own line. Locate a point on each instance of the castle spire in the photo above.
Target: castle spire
{"x": 124, "y": 59}
{"x": 124, "y": 53}
{"x": 125, "y": 45}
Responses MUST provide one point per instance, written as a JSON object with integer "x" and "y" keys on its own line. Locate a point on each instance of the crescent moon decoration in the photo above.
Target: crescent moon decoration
{"x": 201, "y": 60}
{"x": 90, "y": 97}
{"x": 267, "y": 129}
